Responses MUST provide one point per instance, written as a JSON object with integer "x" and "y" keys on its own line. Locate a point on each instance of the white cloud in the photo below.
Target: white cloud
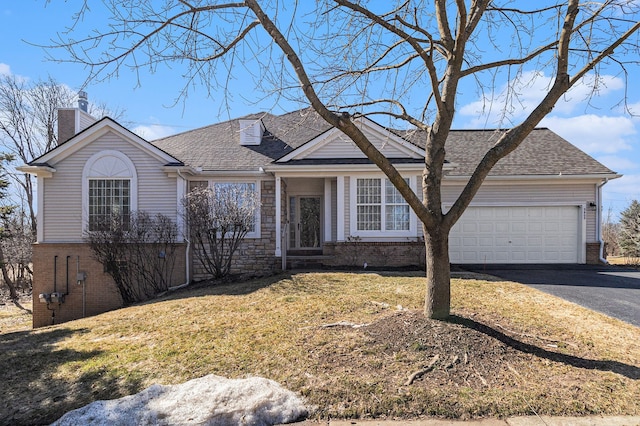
{"x": 153, "y": 131}
{"x": 587, "y": 87}
{"x": 5, "y": 69}
{"x": 594, "y": 133}
{"x": 617, "y": 163}
{"x": 634, "y": 108}
{"x": 513, "y": 101}
{"x": 619, "y": 193}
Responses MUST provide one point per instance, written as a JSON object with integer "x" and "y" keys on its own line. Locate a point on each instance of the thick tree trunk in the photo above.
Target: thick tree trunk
{"x": 438, "y": 298}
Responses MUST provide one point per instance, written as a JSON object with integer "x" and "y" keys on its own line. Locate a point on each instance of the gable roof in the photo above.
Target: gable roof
{"x": 333, "y": 144}
{"x": 217, "y": 147}
{"x": 96, "y": 130}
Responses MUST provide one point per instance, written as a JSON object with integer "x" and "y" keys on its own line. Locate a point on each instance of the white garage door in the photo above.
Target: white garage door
{"x": 516, "y": 235}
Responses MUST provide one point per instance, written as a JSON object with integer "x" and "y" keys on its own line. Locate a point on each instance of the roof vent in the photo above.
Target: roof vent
{"x": 83, "y": 103}
{"x": 251, "y": 132}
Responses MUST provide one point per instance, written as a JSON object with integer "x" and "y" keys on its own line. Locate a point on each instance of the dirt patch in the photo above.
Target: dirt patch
{"x": 432, "y": 353}
{"x": 457, "y": 354}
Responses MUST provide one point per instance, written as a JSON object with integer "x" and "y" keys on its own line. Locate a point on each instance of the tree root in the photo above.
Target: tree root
{"x": 422, "y": 371}
{"x": 343, "y": 324}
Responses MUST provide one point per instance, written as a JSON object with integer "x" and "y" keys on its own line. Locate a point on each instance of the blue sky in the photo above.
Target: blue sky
{"x": 600, "y": 127}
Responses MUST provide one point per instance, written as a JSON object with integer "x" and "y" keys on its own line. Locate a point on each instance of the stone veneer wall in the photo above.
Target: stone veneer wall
{"x": 255, "y": 256}
{"x": 101, "y": 294}
{"x": 375, "y": 254}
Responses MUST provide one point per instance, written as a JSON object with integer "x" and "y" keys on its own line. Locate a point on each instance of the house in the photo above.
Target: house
{"x": 320, "y": 197}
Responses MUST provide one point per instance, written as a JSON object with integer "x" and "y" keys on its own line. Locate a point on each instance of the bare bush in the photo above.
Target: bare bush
{"x": 218, "y": 219}
{"x": 138, "y": 251}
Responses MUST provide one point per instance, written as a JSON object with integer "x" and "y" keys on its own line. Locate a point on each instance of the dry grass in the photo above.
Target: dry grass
{"x": 563, "y": 359}
{"x": 14, "y": 319}
{"x": 624, "y": 261}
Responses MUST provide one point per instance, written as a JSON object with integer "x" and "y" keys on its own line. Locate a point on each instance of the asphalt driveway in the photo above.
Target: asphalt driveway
{"x": 612, "y": 290}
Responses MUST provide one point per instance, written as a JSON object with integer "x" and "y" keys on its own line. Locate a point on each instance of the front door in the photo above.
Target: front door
{"x": 304, "y": 222}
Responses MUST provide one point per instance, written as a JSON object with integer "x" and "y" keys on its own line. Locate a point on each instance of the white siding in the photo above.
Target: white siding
{"x": 343, "y": 147}
{"x": 63, "y": 192}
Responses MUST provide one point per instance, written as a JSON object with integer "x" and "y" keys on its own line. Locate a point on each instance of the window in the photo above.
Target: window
{"x": 369, "y": 204}
{"x": 239, "y": 191}
{"x": 109, "y": 186}
{"x": 380, "y": 207}
{"x": 108, "y": 197}
{"x": 396, "y": 209}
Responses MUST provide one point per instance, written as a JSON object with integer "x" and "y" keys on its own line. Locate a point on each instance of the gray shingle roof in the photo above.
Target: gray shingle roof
{"x": 217, "y": 147}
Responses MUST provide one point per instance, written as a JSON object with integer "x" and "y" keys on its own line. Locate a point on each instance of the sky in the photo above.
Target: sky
{"x": 153, "y": 107}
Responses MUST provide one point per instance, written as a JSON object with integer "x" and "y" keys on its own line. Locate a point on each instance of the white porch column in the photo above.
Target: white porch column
{"x": 327, "y": 209}
{"x": 278, "y": 216}
{"x": 340, "y": 209}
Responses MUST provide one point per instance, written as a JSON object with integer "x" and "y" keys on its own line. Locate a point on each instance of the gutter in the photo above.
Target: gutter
{"x": 599, "y": 219}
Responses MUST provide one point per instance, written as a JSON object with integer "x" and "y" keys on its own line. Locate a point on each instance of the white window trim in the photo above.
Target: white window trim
{"x": 256, "y": 233}
{"x": 87, "y": 175}
{"x": 353, "y": 215}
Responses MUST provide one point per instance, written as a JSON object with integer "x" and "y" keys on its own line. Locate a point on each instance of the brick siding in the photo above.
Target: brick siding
{"x": 593, "y": 253}
{"x": 100, "y": 292}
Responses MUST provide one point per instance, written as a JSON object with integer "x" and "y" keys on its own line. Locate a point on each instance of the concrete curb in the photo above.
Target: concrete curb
{"x": 512, "y": 421}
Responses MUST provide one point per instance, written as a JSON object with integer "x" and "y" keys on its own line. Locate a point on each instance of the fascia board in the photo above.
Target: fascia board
{"x": 44, "y": 171}
{"x": 530, "y": 178}
{"x": 341, "y": 169}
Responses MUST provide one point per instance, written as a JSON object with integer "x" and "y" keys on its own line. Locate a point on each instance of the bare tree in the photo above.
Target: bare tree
{"x": 629, "y": 237}
{"x": 138, "y": 251}
{"x": 406, "y": 59}
{"x": 5, "y": 214}
{"x": 611, "y": 235}
{"x": 28, "y": 124}
{"x": 16, "y": 251}
{"x": 218, "y": 219}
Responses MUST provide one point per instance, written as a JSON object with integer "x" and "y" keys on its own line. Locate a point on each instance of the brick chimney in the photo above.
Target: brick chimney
{"x": 72, "y": 121}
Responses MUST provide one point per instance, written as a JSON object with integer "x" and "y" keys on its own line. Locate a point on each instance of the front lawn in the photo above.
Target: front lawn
{"x": 353, "y": 344}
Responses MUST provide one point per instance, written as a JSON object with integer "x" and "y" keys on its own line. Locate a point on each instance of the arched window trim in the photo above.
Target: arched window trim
{"x": 87, "y": 174}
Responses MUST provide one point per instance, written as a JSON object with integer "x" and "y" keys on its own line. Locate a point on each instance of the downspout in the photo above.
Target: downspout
{"x": 187, "y": 258}
{"x": 599, "y": 219}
